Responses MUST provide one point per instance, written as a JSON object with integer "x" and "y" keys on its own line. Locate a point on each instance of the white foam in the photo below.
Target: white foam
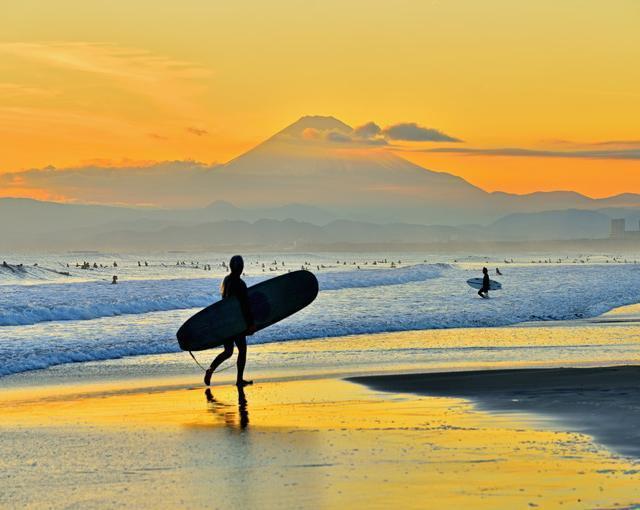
{"x": 24, "y": 305}
{"x": 352, "y": 302}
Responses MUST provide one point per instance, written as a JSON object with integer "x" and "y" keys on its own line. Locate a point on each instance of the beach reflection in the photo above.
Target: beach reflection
{"x": 317, "y": 443}
{"x": 231, "y": 418}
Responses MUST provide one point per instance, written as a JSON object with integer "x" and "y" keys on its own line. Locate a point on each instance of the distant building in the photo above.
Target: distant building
{"x": 619, "y": 230}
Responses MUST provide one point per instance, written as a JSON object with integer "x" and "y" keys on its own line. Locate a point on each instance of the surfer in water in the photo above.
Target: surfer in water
{"x": 232, "y": 285}
{"x": 486, "y": 284}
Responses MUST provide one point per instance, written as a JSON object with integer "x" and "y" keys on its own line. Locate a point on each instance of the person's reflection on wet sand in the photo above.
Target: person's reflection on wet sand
{"x": 242, "y": 408}
{"x": 225, "y": 410}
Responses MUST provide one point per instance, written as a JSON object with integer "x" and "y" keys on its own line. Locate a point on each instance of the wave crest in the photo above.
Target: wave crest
{"x": 22, "y": 305}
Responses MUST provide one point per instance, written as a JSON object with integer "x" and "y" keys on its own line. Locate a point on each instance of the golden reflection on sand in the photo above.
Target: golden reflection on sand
{"x": 321, "y": 443}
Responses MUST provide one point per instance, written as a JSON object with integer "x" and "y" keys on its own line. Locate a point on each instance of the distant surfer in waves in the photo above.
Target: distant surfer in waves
{"x": 486, "y": 284}
{"x": 232, "y": 285}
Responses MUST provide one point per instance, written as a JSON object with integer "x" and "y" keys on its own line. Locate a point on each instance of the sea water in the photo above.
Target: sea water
{"x": 53, "y": 312}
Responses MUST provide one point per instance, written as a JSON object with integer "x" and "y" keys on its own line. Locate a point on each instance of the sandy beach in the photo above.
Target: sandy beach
{"x": 322, "y": 443}
{"x": 601, "y": 402}
{"x": 144, "y": 433}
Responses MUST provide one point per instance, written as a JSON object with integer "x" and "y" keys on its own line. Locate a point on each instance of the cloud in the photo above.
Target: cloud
{"x": 111, "y": 163}
{"x": 373, "y": 141}
{"x": 368, "y": 130}
{"x": 618, "y": 143}
{"x": 170, "y": 183}
{"x": 412, "y": 132}
{"x": 104, "y": 58}
{"x": 169, "y": 83}
{"x": 366, "y": 135}
{"x": 609, "y": 144}
{"x": 64, "y": 124}
{"x": 338, "y": 137}
{"x": 371, "y": 134}
{"x": 11, "y": 90}
{"x": 335, "y": 136}
{"x": 197, "y": 131}
{"x": 311, "y": 134}
{"x": 62, "y": 98}
{"x": 630, "y": 154}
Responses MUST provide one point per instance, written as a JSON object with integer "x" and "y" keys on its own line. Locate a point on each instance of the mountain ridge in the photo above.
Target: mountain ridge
{"x": 330, "y": 178}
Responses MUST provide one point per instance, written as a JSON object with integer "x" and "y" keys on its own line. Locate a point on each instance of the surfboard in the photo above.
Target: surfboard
{"x": 476, "y": 283}
{"x": 271, "y": 301}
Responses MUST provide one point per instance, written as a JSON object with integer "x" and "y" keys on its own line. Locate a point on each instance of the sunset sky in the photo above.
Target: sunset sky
{"x": 141, "y": 81}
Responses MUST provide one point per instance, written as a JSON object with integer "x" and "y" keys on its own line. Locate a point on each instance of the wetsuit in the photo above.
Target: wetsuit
{"x": 234, "y": 286}
{"x": 486, "y": 284}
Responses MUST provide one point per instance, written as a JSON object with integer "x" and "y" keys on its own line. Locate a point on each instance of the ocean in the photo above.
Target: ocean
{"x": 53, "y": 312}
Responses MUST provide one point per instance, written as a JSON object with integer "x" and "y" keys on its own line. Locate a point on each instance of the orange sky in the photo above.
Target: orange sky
{"x": 593, "y": 177}
{"x": 195, "y": 79}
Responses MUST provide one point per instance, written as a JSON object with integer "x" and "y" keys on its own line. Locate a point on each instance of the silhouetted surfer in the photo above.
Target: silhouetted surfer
{"x": 232, "y": 285}
{"x": 486, "y": 284}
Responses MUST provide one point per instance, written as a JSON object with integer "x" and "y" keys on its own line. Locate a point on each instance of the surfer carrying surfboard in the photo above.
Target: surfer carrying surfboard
{"x": 233, "y": 285}
{"x": 486, "y": 284}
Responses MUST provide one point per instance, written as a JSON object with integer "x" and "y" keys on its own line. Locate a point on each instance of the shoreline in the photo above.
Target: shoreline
{"x": 389, "y": 300}
{"x": 601, "y": 402}
{"x": 178, "y": 364}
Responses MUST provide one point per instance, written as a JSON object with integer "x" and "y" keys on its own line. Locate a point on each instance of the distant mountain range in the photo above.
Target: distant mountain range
{"x": 314, "y": 182}
{"x": 353, "y": 180}
{"x": 36, "y": 225}
{"x": 318, "y": 162}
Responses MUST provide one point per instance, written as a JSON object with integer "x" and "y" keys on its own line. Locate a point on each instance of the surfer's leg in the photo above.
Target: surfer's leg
{"x": 224, "y": 355}
{"x": 241, "y": 343}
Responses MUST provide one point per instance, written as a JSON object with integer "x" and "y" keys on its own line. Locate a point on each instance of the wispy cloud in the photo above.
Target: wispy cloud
{"x": 412, "y": 132}
{"x": 335, "y": 136}
{"x": 107, "y": 181}
{"x": 17, "y": 90}
{"x": 170, "y": 83}
{"x": 107, "y": 59}
{"x": 372, "y": 134}
{"x": 157, "y": 136}
{"x": 197, "y": 131}
{"x": 22, "y": 119}
{"x": 630, "y": 154}
{"x": 619, "y": 144}
{"x": 353, "y": 139}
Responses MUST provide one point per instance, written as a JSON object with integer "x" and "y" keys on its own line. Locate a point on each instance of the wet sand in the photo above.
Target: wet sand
{"x": 142, "y": 432}
{"x": 603, "y": 402}
{"x": 318, "y": 443}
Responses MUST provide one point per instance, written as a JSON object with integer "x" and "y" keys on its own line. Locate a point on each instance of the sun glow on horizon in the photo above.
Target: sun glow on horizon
{"x": 205, "y": 81}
